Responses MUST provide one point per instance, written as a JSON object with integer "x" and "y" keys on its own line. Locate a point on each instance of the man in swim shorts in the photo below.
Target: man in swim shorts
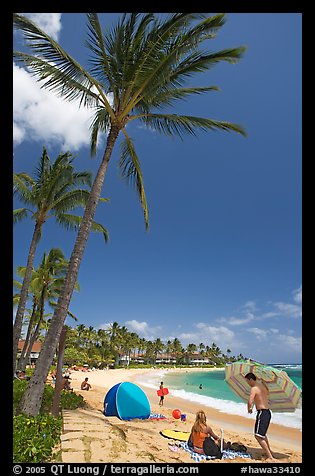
{"x": 162, "y": 396}
{"x": 259, "y": 396}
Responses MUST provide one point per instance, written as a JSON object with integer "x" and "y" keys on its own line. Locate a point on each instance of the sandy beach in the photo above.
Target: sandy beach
{"x": 143, "y": 442}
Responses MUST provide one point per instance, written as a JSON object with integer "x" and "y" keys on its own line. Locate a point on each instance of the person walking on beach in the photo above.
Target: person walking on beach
{"x": 162, "y": 395}
{"x": 259, "y": 396}
{"x": 203, "y": 440}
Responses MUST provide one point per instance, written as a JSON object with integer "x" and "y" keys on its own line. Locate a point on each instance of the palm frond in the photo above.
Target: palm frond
{"x": 70, "y": 200}
{"x": 100, "y": 123}
{"x": 58, "y": 70}
{"x": 19, "y": 214}
{"x": 99, "y": 228}
{"x": 73, "y": 222}
{"x": 53, "y": 304}
{"x": 167, "y": 96}
{"x": 27, "y": 179}
{"x": 43, "y": 168}
{"x": 21, "y": 188}
{"x": 96, "y": 44}
{"x": 170, "y": 42}
{"x": 129, "y": 166}
{"x": 17, "y": 284}
{"x": 197, "y": 62}
{"x": 172, "y": 124}
{"x": 82, "y": 178}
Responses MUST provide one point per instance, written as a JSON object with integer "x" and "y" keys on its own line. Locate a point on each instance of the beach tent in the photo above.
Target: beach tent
{"x": 126, "y": 401}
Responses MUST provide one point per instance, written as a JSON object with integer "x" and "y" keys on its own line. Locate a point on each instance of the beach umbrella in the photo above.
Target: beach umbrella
{"x": 284, "y": 394}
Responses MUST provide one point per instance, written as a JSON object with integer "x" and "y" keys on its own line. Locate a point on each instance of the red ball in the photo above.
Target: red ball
{"x": 176, "y": 413}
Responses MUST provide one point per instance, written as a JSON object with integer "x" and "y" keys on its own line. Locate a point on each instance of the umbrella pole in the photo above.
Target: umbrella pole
{"x": 221, "y": 429}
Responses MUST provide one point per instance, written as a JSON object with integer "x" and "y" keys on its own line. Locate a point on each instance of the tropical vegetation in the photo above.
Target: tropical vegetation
{"x": 116, "y": 346}
{"x": 45, "y": 286}
{"x": 138, "y": 71}
{"x": 36, "y": 439}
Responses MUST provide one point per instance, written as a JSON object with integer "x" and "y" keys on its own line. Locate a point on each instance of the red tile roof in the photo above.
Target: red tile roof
{"x": 36, "y": 346}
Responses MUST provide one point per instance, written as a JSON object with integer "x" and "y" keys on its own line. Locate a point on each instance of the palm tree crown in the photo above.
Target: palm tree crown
{"x": 143, "y": 63}
{"x": 54, "y": 190}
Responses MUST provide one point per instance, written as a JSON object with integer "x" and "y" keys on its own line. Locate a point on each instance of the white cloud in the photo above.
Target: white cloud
{"x": 250, "y": 306}
{"x": 287, "y": 309}
{"x": 290, "y": 343}
{"x": 39, "y": 115}
{"x": 297, "y": 295}
{"x": 259, "y": 333}
{"x": 190, "y": 336}
{"x": 50, "y": 23}
{"x": 269, "y": 314}
{"x": 238, "y": 321}
{"x": 143, "y": 329}
{"x": 220, "y": 335}
{"x": 273, "y": 338}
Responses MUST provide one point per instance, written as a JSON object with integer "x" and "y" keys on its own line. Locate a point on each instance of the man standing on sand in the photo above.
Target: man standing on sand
{"x": 161, "y": 396}
{"x": 259, "y": 396}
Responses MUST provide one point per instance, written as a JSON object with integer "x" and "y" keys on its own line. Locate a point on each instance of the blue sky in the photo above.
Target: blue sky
{"x": 222, "y": 259}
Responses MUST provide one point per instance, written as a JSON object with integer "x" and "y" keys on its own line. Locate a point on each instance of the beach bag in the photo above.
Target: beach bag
{"x": 236, "y": 446}
{"x": 210, "y": 448}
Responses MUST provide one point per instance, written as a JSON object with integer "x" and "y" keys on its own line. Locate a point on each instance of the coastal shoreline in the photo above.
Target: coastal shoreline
{"x": 286, "y": 442}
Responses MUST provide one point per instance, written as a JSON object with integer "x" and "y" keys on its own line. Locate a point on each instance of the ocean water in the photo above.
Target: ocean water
{"x": 217, "y": 394}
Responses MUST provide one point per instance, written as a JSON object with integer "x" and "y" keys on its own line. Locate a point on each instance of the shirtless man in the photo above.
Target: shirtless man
{"x": 259, "y": 397}
{"x": 162, "y": 396}
{"x": 85, "y": 384}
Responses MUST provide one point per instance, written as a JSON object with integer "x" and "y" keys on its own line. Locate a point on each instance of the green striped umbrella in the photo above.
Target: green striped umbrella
{"x": 284, "y": 394}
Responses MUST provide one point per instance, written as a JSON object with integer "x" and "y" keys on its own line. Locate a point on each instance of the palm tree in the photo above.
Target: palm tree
{"x": 55, "y": 189}
{"x": 177, "y": 349}
{"x": 190, "y": 349}
{"x": 158, "y": 347}
{"x": 144, "y": 63}
{"x": 46, "y": 283}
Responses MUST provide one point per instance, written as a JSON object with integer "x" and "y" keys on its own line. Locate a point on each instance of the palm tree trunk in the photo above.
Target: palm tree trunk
{"x": 32, "y": 398}
{"x": 37, "y": 328}
{"x": 22, "y": 360}
{"x": 59, "y": 379}
{"x": 17, "y": 328}
{"x": 32, "y": 341}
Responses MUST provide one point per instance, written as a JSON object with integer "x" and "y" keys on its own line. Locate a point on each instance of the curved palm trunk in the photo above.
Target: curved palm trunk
{"x": 32, "y": 398}
{"x": 22, "y": 360}
{"x": 37, "y": 328}
{"x": 17, "y": 328}
{"x": 33, "y": 338}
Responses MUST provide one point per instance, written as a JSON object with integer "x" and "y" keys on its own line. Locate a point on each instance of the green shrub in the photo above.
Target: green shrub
{"x": 19, "y": 387}
{"x": 35, "y": 437}
{"x": 71, "y": 401}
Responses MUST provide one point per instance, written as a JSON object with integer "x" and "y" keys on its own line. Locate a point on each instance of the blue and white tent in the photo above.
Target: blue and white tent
{"x": 126, "y": 401}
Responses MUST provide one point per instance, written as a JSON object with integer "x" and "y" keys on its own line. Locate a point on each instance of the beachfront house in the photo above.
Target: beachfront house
{"x": 165, "y": 359}
{"x": 195, "y": 358}
{"x": 34, "y": 352}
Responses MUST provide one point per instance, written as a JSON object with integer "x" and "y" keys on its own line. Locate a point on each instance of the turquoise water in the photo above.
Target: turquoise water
{"x": 213, "y": 383}
{"x": 215, "y": 392}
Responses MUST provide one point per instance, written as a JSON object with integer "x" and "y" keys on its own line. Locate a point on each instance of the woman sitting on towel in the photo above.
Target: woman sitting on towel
{"x": 203, "y": 440}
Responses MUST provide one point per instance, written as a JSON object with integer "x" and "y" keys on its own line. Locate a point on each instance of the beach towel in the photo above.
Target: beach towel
{"x": 157, "y": 416}
{"x": 227, "y": 454}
